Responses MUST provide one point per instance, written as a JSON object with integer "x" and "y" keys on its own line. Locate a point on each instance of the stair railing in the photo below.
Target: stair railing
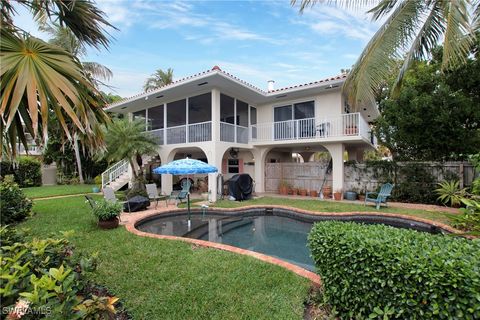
{"x": 114, "y": 172}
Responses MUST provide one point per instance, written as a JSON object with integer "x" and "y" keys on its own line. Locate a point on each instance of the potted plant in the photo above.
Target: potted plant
{"x": 327, "y": 192}
{"x": 313, "y": 193}
{"x": 107, "y": 213}
{"x": 361, "y": 195}
{"x": 98, "y": 181}
{"x": 337, "y": 195}
{"x": 302, "y": 192}
{"x": 295, "y": 191}
{"x": 283, "y": 187}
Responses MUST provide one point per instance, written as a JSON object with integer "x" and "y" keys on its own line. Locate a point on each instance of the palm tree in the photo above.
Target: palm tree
{"x": 38, "y": 77}
{"x": 159, "y": 79}
{"x": 412, "y": 29}
{"x": 64, "y": 37}
{"x": 127, "y": 140}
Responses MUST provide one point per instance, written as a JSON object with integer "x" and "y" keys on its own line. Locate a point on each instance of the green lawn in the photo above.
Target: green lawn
{"x": 164, "y": 279}
{"x": 331, "y": 206}
{"x": 60, "y": 190}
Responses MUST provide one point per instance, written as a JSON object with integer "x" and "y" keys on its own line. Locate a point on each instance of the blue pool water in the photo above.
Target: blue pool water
{"x": 280, "y": 233}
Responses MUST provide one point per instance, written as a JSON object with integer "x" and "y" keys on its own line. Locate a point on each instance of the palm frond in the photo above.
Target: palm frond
{"x": 381, "y": 55}
{"x": 83, "y": 18}
{"x": 458, "y": 35}
{"x": 97, "y": 70}
{"x": 304, "y": 4}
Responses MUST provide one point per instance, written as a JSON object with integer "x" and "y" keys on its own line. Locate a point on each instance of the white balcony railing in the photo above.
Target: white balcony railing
{"x": 233, "y": 133}
{"x": 200, "y": 132}
{"x": 177, "y": 134}
{"x": 158, "y": 135}
{"x": 351, "y": 124}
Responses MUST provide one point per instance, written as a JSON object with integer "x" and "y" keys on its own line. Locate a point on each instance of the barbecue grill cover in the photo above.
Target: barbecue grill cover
{"x": 240, "y": 186}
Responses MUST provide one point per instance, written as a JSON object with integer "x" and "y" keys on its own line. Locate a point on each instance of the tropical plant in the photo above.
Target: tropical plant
{"x": 38, "y": 77}
{"x": 127, "y": 140}
{"x": 449, "y": 192}
{"x": 107, "y": 210}
{"x": 410, "y": 32}
{"x": 14, "y": 205}
{"x": 159, "y": 79}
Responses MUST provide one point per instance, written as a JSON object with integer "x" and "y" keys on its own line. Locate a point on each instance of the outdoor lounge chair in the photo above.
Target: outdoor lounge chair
{"x": 153, "y": 194}
{"x": 379, "y": 197}
{"x": 109, "y": 195}
{"x": 182, "y": 195}
{"x": 90, "y": 201}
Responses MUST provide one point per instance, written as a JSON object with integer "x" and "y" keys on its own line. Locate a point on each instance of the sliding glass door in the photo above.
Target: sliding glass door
{"x": 294, "y": 121}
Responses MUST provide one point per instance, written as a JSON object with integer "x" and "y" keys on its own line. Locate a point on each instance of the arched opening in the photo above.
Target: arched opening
{"x": 237, "y": 161}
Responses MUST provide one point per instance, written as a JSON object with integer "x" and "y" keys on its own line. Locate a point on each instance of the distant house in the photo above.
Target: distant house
{"x": 237, "y": 127}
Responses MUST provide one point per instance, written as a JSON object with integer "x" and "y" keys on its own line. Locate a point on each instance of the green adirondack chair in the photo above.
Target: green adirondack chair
{"x": 379, "y": 197}
{"x": 186, "y": 184}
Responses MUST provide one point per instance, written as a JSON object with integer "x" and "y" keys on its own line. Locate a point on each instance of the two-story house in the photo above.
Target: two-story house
{"x": 218, "y": 118}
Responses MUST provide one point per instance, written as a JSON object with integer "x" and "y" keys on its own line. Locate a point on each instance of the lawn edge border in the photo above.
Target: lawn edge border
{"x": 133, "y": 221}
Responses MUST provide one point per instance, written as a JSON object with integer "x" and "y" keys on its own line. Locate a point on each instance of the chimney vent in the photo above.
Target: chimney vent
{"x": 271, "y": 85}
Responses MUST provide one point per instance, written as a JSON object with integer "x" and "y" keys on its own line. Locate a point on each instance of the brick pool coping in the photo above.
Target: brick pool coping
{"x": 130, "y": 220}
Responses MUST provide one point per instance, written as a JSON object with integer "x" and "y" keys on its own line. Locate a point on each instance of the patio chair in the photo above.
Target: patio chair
{"x": 152, "y": 192}
{"x": 109, "y": 195}
{"x": 379, "y": 197}
{"x": 182, "y": 195}
{"x": 90, "y": 201}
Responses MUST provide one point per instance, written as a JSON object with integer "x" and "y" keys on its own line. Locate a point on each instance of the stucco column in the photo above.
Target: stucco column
{"x": 214, "y": 156}
{"x": 167, "y": 179}
{"x": 336, "y": 152}
{"x": 259, "y": 155}
{"x": 215, "y": 115}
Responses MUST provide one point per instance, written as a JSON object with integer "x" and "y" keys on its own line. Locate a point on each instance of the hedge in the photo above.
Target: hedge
{"x": 14, "y": 206}
{"x": 27, "y": 173}
{"x": 370, "y": 270}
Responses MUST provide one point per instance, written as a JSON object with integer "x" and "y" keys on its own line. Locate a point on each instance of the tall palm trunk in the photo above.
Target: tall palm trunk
{"x": 77, "y": 156}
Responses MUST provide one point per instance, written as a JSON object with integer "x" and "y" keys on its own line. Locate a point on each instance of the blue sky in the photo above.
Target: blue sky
{"x": 254, "y": 40}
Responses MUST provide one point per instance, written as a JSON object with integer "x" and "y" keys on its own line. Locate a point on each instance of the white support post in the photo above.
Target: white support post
{"x": 336, "y": 152}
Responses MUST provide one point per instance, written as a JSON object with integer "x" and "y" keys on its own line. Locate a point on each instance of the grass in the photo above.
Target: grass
{"x": 57, "y": 190}
{"x": 331, "y": 206}
{"x": 162, "y": 279}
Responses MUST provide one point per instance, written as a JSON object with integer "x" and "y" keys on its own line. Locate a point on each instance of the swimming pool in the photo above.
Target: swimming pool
{"x": 280, "y": 233}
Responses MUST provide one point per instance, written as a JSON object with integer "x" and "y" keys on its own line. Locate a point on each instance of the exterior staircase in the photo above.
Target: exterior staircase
{"x": 119, "y": 174}
{"x": 116, "y": 176}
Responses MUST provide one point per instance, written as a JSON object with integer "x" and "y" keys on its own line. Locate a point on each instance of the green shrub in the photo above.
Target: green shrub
{"x": 29, "y": 172}
{"x": 14, "y": 206}
{"x": 43, "y": 276}
{"x": 372, "y": 270}
{"x": 415, "y": 184}
{"x": 106, "y": 210}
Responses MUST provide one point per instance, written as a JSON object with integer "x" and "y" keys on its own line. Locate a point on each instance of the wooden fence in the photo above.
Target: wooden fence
{"x": 310, "y": 175}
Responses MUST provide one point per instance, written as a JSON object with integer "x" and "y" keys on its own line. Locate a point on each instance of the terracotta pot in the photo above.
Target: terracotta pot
{"x": 109, "y": 224}
{"x": 294, "y": 192}
{"x": 361, "y": 197}
{"x": 337, "y": 196}
{"x": 303, "y": 192}
{"x": 283, "y": 190}
{"x": 327, "y": 192}
{"x": 313, "y": 193}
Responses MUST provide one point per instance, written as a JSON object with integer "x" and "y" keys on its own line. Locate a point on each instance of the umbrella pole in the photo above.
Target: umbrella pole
{"x": 188, "y": 206}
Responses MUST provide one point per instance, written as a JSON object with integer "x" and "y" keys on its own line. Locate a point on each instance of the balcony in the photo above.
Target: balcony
{"x": 347, "y": 125}
{"x": 191, "y": 133}
{"x": 233, "y": 133}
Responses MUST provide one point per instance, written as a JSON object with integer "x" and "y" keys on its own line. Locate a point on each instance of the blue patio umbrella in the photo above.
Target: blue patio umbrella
{"x": 185, "y": 167}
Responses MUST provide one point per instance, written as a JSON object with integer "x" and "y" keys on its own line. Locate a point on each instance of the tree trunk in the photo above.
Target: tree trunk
{"x": 132, "y": 164}
{"x": 77, "y": 156}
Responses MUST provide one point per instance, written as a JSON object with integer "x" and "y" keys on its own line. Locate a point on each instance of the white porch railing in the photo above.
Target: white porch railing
{"x": 114, "y": 172}
{"x": 351, "y": 124}
{"x": 233, "y": 133}
{"x": 177, "y": 134}
{"x": 158, "y": 135}
{"x": 199, "y": 132}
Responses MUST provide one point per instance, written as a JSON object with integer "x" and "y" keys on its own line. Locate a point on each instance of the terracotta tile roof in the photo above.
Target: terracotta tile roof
{"x": 339, "y": 77}
{"x": 216, "y": 69}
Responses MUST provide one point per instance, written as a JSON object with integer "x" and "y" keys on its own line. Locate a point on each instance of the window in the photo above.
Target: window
{"x": 155, "y": 118}
{"x": 253, "y": 115}
{"x": 227, "y": 109}
{"x": 200, "y": 108}
{"x": 176, "y": 113}
{"x": 139, "y": 115}
{"x": 233, "y": 166}
{"x": 282, "y": 113}
{"x": 304, "y": 110}
{"x": 242, "y": 113}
